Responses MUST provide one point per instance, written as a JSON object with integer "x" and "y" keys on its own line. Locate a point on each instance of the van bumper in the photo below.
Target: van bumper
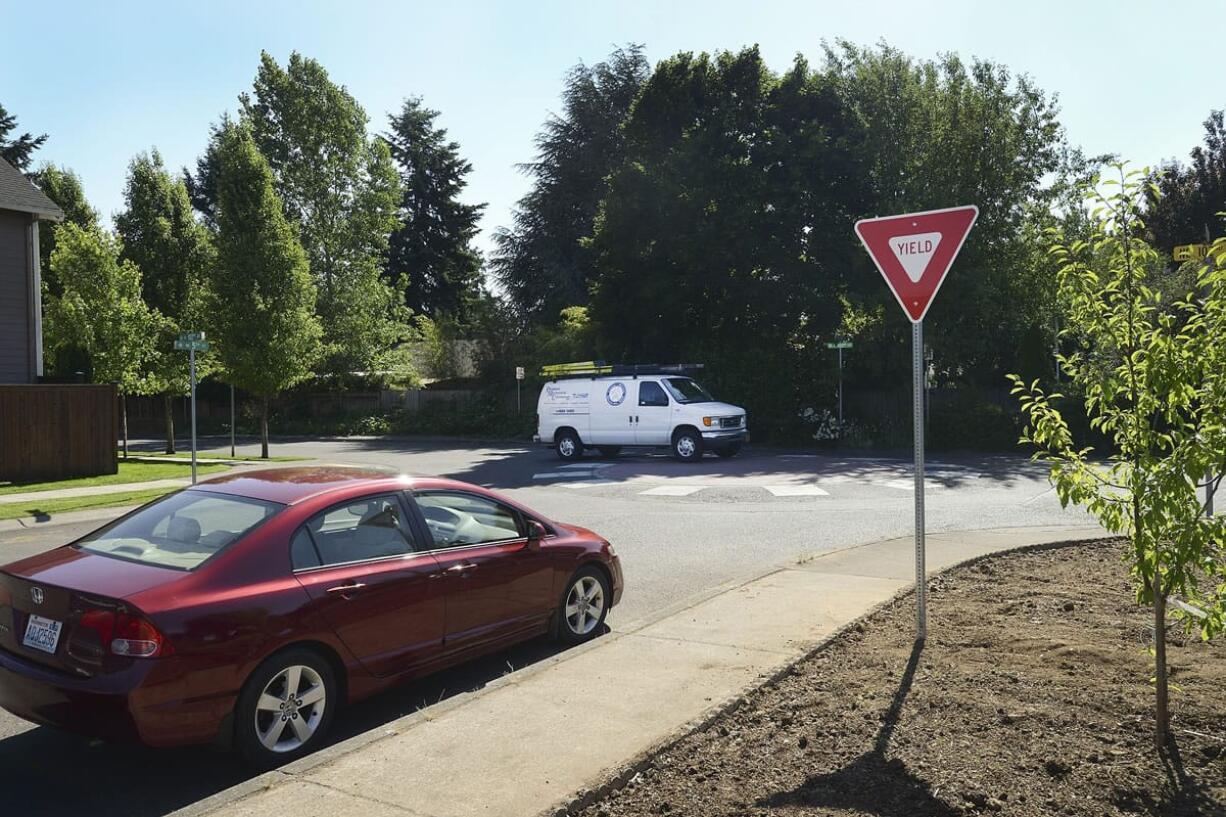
{"x": 732, "y": 435}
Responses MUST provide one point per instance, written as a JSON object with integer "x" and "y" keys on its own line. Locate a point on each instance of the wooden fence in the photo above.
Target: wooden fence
{"x": 57, "y": 431}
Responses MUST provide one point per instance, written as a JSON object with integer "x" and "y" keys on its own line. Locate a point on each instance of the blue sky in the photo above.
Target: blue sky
{"x": 107, "y": 80}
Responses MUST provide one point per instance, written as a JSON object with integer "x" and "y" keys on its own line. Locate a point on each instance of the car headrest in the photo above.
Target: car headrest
{"x": 184, "y": 529}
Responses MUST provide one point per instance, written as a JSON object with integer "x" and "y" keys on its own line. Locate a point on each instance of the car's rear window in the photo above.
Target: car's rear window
{"x": 181, "y": 530}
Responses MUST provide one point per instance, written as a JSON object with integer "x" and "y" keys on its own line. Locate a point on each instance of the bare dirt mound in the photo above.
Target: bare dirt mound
{"x": 1031, "y": 697}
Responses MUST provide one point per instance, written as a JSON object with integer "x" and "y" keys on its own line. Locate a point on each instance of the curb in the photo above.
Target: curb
{"x": 621, "y": 776}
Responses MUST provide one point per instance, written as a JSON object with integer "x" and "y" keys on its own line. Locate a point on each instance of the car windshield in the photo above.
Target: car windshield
{"x": 685, "y": 390}
{"x": 181, "y": 530}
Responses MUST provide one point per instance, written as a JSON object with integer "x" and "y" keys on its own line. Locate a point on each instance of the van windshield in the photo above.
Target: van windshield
{"x": 180, "y": 531}
{"x": 685, "y": 390}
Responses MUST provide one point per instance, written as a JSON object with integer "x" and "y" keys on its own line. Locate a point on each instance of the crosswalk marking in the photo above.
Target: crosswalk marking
{"x": 672, "y": 490}
{"x": 562, "y": 475}
{"x": 796, "y": 490}
{"x": 907, "y": 484}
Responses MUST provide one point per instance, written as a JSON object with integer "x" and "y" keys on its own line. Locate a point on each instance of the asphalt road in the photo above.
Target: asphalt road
{"x": 681, "y": 530}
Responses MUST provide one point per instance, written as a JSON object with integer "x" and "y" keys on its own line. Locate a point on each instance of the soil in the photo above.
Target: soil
{"x": 1031, "y": 697}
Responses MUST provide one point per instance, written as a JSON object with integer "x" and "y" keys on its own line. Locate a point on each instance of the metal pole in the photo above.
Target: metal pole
{"x": 840, "y": 385}
{"x": 1209, "y": 475}
{"x": 231, "y": 421}
{"x": 192, "y": 358}
{"x": 921, "y": 584}
{"x": 519, "y": 406}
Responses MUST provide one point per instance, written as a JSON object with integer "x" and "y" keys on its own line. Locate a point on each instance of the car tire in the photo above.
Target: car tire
{"x": 610, "y": 451}
{"x": 264, "y": 701}
{"x": 584, "y": 606}
{"x": 687, "y": 445}
{"x": 730, "y": 450}
{"x": 568, "y": 445}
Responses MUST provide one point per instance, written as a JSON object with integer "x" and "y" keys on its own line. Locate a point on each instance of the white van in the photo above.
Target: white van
{"x": 616, "y": 406}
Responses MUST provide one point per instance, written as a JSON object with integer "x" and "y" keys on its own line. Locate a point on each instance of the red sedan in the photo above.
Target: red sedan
{"x": 244, "y": 610}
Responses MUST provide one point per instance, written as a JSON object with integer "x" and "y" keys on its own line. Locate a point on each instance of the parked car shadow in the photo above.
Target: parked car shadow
{"x": 50, "y": 773}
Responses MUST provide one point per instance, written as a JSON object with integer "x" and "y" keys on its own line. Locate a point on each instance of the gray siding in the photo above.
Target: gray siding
{"x": 15, "y": 354}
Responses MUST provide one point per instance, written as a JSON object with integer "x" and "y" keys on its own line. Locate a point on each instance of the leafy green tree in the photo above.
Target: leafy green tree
{"x": 945, "y": 133}
{"x": 17, "y": 149}
{"x": 1190, "y": 201}
{"x": 100, "y": 310}
{"x": 540, "y": 260}
{"x": 725, "y": 234}
{"x": 341, "y": 188}
{"x": 1153, "y": 374}
{"x": 63, "y": 187}
{"x": 163, "y": 239}
{"x": 431, "y": 254}
{"x": 262, "y": 298}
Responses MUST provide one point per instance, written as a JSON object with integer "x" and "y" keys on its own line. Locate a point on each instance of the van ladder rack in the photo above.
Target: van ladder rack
{"x": 598, "y": 368}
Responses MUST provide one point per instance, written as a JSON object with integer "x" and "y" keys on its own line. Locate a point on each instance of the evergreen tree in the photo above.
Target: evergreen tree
{"x": 16, "y": 150}
{"x": 540, "y": 260}
{"x": 262, "y": 297}
{"x": 431, "y": 255}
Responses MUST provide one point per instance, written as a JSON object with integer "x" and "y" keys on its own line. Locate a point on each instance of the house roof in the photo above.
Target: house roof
{"x": 19, "y": 193}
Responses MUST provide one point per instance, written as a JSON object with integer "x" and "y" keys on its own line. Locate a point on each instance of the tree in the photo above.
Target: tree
{"x": 1189, "y": 201}
{"x": 725, "y": 233}
{"x": 63, "y": 187}
{"x": 100, "y": 310}
{"x": 162, "y": 237}
{"x": 431, "y": 254}
{"x": 945, "y": 133}
{"x": 341, "y": 188}
{"x": 539, "y": 260}
{"x": 1153, "y": 375}
{"x": 16, "y": 150}
{"x": 262, "y": 297}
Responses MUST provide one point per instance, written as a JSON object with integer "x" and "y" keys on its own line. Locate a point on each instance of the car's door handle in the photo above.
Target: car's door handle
{"x": 346, "y": 589}
{"x": 455, "y": 570}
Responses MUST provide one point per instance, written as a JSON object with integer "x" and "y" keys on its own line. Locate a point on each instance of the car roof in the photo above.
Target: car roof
{"x": 289, "y": 485}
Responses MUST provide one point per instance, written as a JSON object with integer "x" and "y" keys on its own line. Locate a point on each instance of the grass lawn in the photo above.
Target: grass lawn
{"x": 201, "y": 455}
{"x": 128, "y": 472}
{"x": 78, "y": 503}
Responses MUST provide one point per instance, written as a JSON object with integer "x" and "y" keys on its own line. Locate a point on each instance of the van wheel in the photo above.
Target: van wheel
{"x": 610, "y": 451}
{"x": 568, "y": 445}
{"x": 687, "y": 445}
{"x": 729, "y": 450}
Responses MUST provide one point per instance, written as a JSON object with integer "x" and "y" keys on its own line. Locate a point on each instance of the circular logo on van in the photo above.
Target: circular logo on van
{"x": 615, "y": 394}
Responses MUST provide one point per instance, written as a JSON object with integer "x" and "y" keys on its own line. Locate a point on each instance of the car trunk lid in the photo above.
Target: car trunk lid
{"x": 44, "y": 598}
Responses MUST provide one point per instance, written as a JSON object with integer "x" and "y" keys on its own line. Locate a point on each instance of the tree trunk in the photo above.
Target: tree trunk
{"x": 1162, "y": 715}
{"x": 123, "y": 414}
{"x": 170, "y": 422}
{"x": 264, "y": 427}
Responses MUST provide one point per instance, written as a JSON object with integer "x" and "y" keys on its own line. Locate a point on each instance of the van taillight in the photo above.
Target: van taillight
{"x": 127, "y": 634}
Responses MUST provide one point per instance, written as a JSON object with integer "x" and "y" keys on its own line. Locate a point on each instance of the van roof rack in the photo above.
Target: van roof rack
{"x": 599, "y": 368}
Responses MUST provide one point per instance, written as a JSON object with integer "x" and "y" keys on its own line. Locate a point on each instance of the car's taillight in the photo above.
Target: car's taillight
{"x": 128, "y": 634}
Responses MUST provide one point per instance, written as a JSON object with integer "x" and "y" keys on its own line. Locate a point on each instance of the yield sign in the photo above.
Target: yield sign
{"x": 915, "y": 250}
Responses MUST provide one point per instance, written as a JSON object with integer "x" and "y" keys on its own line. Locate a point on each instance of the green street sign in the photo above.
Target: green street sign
{"x": 842, "y": 344}
{"x": 186, "y": 336}
{"x": 187, "y": 345}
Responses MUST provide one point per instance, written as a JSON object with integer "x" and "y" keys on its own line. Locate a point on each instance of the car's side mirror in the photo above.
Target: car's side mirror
{"x": 536, "y": 532}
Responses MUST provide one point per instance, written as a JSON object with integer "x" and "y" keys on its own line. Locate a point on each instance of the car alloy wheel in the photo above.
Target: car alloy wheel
{"x": 569, "y": 446}
{"x": 687, "y": 447}
{"x": 583, "y": 606}
{"x": 290, "y": 709}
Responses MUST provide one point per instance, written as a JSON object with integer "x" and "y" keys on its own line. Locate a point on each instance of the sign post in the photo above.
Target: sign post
{"x": 519, "y": 379}
{"x": 840, "y": 345}
{"x": 193, "y": 342}
{"x": 913, "y": 252}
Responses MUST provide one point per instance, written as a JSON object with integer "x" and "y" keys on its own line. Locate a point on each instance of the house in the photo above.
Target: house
{"x": 22, "y": 207}
{"x": 47, "y": 431}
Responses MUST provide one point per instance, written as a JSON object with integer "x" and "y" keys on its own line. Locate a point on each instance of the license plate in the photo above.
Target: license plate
{"x": 42, "y": 634}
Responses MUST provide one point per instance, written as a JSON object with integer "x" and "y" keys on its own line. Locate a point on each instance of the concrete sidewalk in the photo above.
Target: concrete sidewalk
{"x": 535, "y": 740}
{"x": 93, "y": 490}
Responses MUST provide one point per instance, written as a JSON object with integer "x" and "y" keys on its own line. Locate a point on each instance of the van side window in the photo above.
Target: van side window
{"x": 650, "y": 394}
